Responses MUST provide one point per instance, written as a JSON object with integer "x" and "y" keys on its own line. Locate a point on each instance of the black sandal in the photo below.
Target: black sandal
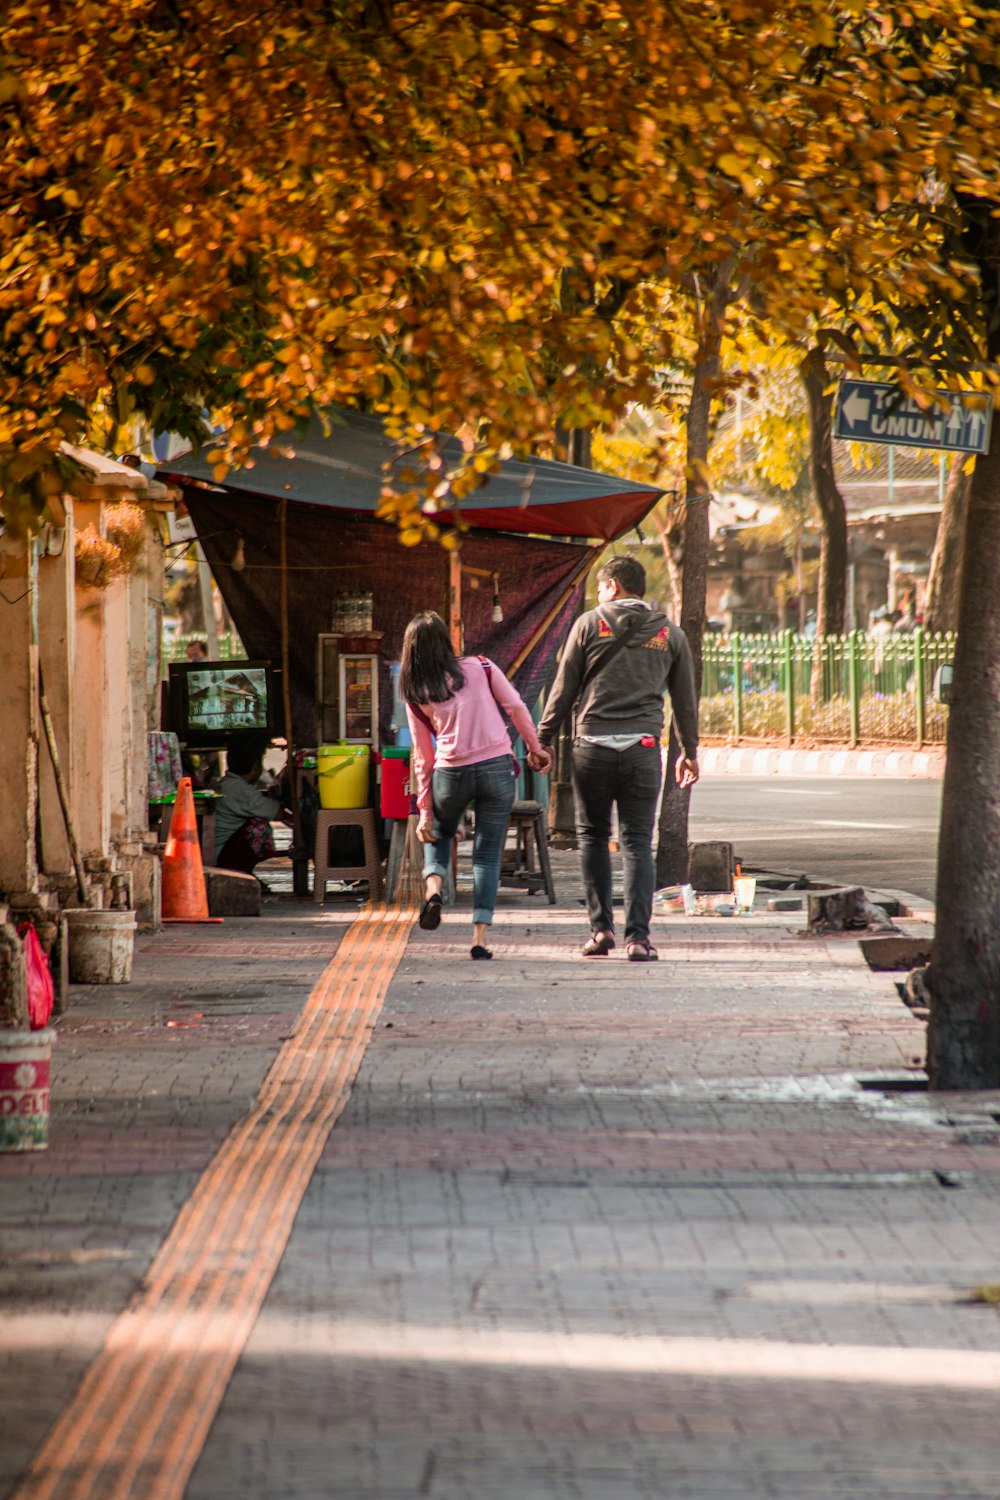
{"x": 478, "y": 951}
{"x": 430, "y": 914}
{"x": 598, "y": 945}
{"x": 641, "y": 951}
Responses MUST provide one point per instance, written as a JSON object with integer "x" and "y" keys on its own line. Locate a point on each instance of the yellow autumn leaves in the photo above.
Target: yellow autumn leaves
{"x": 218, "y": 212}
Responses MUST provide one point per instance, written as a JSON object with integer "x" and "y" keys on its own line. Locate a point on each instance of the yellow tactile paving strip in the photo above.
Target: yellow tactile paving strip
{"x": 136, "y": 1426}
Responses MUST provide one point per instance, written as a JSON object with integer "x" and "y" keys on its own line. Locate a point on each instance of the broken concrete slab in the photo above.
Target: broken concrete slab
{"x": 845, "y": 909}
{"x": 231, "y": 893}
{"x": 895, "y": 951}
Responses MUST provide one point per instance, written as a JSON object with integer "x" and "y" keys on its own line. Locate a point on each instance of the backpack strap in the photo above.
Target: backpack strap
{"x": 418, "y": 713}
{"x": 488, "y": 669}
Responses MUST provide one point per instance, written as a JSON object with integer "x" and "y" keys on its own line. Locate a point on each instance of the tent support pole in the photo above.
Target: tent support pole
{"x": 559, "y": 604}
{"x": 455, "y": 628}
{"x": 302, "y": 862}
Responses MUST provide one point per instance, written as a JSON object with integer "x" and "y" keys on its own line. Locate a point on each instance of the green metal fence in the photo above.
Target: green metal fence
{"x": 840, "y": 689}
{"x": 230, "y": 646}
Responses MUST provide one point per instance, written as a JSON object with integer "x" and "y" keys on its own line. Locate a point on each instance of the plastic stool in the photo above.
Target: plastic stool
{"x": 371, "y": 870}
{"x": 531, "y": 839}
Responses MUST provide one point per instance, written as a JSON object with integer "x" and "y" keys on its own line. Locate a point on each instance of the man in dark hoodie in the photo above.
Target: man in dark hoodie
{"x": 618, "y": 662}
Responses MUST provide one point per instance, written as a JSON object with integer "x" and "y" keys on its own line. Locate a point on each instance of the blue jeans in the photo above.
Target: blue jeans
{"x": 490, "y": 784}
{"x": 631, "y": 779}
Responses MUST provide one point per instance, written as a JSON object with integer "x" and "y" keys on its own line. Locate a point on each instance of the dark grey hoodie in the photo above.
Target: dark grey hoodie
{"x": 627, "y": 696}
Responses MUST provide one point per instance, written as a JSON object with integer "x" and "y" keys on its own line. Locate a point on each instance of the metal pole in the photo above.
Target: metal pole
{"x": 64, "y": 807}
{"x": 286, "y": 688}
{"x": 786, "y": 646}
{"x": 737, "y": 649}
{"x": 207, "y": 603}
{"x": 852, "y": 687}
{"x": 918, "y": 676}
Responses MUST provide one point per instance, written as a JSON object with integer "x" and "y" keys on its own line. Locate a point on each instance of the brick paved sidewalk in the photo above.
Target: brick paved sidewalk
{"x": 590, "y": 1230}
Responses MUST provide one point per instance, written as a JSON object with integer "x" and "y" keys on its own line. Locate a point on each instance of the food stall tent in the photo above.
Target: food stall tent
{"x": 294, "y": 529}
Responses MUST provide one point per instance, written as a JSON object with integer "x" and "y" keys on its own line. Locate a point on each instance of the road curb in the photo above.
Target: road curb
{"x": 726, "y": 760}
{"x": 912, "y": 908}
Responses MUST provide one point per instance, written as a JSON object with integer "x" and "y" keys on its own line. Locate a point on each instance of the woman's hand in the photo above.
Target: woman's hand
{"x": 540, "y": 760}
{"x": 425, "y": 829}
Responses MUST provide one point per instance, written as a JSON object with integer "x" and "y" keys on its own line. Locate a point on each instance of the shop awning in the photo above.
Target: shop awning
{"x": 342, "y": 463}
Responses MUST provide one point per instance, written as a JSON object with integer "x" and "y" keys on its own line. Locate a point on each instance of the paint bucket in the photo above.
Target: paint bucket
{"x": 25, "y": 1058}
{"x": 342, "y": 773}
{"x": 100, "y": 945}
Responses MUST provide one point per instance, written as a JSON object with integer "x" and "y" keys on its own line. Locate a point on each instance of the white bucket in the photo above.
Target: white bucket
{"x": 100, "y": 945}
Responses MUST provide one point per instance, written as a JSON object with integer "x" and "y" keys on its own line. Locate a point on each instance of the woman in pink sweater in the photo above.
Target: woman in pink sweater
{"x": 457, "y": 701}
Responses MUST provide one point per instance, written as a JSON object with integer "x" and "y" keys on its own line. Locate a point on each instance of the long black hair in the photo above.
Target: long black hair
{"x": 429, "y": 670}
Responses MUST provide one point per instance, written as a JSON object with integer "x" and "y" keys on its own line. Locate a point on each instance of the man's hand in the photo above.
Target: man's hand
{"x": 540, "y": 761}
{"x": 686, "y": 771}
{"x": 425, "y": 829}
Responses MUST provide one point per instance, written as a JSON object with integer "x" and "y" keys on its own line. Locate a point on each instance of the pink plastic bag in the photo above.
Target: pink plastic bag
{"x": 41, "y": 990}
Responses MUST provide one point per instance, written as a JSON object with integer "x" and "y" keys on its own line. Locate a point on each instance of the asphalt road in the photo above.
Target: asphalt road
{"x": 879, "y": 834}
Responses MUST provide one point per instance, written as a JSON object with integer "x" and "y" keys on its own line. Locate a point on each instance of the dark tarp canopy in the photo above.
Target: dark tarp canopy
{"x": 342, "y": 463}
{"x": 335, "y": 545}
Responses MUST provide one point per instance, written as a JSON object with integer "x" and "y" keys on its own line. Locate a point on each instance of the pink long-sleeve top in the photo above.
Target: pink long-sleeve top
{"x": 468, "y": 726}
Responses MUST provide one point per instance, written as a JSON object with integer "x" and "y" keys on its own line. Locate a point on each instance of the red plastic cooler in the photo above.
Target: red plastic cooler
{"x": 395, "y": 800}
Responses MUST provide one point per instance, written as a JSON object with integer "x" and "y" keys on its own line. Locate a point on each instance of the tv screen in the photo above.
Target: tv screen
{"x": 213, "y": 701}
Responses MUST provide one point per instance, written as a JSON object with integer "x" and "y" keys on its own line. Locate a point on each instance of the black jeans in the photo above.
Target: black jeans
{"x": 630, "y": 779}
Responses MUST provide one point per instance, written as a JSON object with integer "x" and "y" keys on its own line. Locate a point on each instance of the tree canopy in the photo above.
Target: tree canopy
{"x": 219, "y": 213}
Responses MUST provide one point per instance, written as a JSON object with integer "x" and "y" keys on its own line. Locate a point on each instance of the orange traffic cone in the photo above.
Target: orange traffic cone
{"x": 184, "y": 895}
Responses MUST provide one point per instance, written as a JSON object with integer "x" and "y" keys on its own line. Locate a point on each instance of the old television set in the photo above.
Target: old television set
{"x": 214, "y": 702}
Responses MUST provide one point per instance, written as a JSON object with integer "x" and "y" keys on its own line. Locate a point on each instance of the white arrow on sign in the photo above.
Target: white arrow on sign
{"x": 856, "y": 408}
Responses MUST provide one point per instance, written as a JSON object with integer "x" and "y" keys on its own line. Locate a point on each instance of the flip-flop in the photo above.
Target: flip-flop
{"x": 641, "y": 952}
{"x": 478, "y": 951}
{"x": 430, "y": 914}
{"x": 598, "y": 945}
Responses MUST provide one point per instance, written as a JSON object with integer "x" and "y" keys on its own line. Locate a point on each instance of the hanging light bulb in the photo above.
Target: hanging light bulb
{"x": 239, "y": 561}
{"x": 497, "y": 615}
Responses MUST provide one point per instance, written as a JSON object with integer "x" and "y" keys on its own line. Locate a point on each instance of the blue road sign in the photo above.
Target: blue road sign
{"x": 871, "y": 412}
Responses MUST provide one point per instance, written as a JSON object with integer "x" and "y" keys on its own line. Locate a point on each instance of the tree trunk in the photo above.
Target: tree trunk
{"x": 963, "y": 1035}
{"x": 945, "y": 578}
{"x": 670, "y": 528}
{"x": 963, "y": 1039}
{"x": 672, "y": 847}
{"x": 831, "y": 588}
{"x": 831, "y": 602}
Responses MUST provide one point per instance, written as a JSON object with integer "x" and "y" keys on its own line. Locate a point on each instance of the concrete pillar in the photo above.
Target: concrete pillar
{"x": 119, "y": 749}
{"x": 144, "y": 632}
{"x": 154, "y": 568}
{"x": 91, "y": 707}
{"x": 57, "y": 648}
{"x": 19, "y": 718}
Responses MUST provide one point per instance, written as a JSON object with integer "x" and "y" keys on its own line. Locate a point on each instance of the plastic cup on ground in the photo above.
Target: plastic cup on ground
{"x": 744, "y": 889}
